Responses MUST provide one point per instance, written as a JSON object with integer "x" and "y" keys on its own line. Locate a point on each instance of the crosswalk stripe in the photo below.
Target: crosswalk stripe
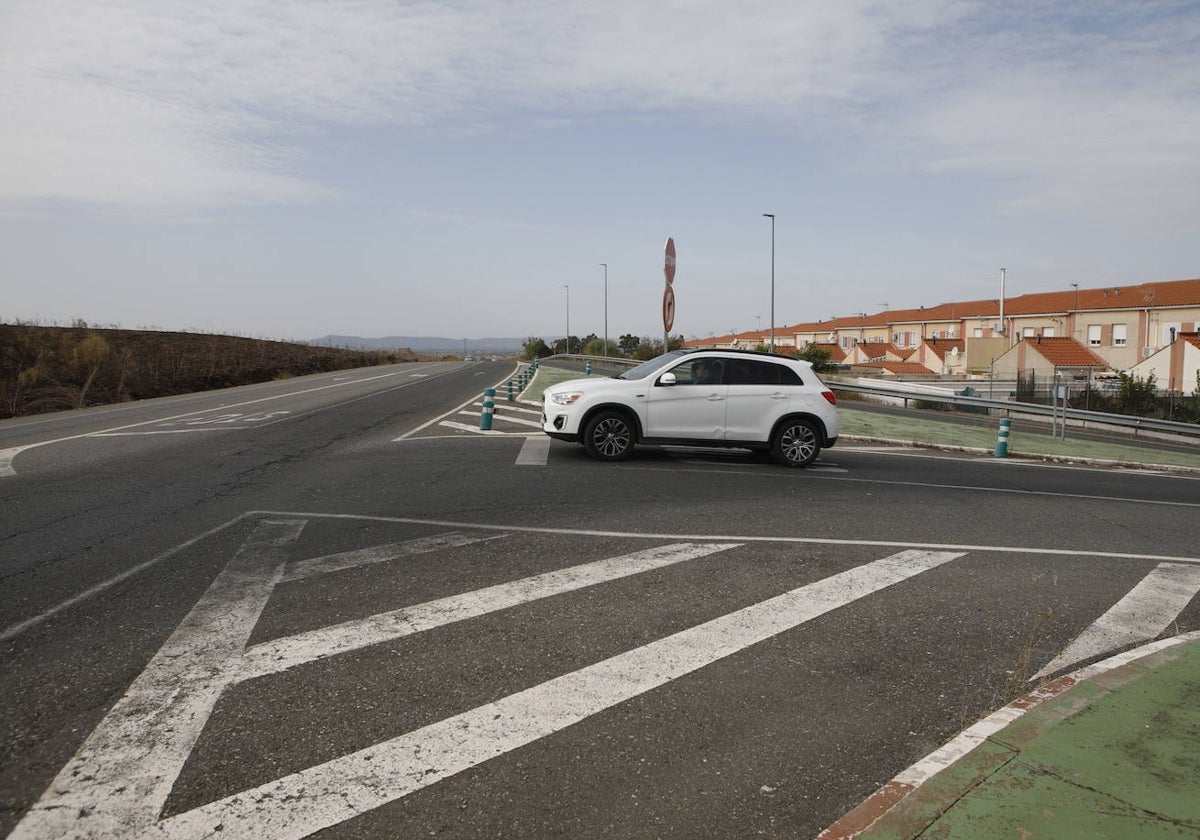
{"x": 118, "y": 781}
{"x": 281, "y": 654}
{"x": 380, "y": 554}
{"x": 331, "y": 793}
{"x": 1147, "y": 610}
{"x": 535, "y": 452}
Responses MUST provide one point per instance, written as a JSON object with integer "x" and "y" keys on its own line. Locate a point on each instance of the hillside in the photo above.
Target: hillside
{"x": 54, "y": 368}
{"x": 424, "y": 344}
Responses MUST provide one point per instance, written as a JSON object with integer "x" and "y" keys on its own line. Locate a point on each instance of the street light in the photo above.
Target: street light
{"x": 771, "y": 216}
{"x": 605, "y": 267}
{"x": 567, "y": 340}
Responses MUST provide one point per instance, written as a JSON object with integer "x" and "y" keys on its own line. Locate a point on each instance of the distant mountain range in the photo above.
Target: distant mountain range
{"x": 422, "y": 344}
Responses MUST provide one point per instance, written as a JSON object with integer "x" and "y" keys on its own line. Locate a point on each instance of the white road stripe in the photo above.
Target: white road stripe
{"x": 379, "y": 554}
{"x": 535, "y": 452}
{"x": 1146, "y": 611}
{"x": 120, "y": 778}
{"x": 331, "y": 793}
{"x": 281, "y": 654}
{"x": 463, "y": 427}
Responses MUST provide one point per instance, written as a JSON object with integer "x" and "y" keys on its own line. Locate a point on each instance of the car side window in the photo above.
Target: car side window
{"x": 699, "y": 372}
{"x": 756, "y": 372}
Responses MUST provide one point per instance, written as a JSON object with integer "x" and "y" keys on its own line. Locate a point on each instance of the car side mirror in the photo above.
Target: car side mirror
{"x": 667, "y": 379}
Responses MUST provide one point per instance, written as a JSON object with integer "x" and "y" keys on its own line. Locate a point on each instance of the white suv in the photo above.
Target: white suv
{"x": 759, "y": 401}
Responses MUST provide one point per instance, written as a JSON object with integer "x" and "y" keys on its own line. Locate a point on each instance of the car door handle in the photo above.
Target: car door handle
{"x": 714, "y": 398}
{"x": 779, "y": 396}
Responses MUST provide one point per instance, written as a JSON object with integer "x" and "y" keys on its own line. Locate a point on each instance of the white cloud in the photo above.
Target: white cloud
{"x": 1091, "y": 111}
{"x": 1076, "y": 107}
{"x": 194, "y": 103}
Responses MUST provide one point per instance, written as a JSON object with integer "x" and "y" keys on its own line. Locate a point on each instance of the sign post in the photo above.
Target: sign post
{"x": 668, "y": 305}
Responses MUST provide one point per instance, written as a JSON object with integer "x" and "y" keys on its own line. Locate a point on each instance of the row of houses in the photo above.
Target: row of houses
{"x": 1145, "y": 329}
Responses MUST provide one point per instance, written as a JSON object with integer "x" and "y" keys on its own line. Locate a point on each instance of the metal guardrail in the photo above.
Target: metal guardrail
{"x": 1010, "y": 406}
{"x": 612, "y": 361}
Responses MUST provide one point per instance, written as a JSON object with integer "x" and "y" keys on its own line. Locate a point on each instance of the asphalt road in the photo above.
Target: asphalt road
{"x": 313, "y": 606}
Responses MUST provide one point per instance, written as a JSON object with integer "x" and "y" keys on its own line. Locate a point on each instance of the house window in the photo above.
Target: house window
{"x": 1028, "y": 332}
{"x": 1094, "y": 335}
{"x": 1120, "y": 336}
{"x": 1048, "y": 332}
{"x": 979, "y": 332}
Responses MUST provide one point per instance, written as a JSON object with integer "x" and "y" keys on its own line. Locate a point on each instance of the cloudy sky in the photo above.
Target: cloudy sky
{"x": 385, "y": 167}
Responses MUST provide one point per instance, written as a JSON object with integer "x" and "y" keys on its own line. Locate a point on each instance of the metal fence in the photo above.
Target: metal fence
{"x": 926, "y": 394}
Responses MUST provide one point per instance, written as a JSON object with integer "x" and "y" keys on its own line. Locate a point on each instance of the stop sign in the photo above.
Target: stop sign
{"x": 669, "y": 262}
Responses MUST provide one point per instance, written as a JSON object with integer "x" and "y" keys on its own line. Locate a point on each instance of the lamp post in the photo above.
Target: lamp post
{"x": 771, "y": 216}
{"x": 605, "y": 267}
{"x": 567, "y": 340}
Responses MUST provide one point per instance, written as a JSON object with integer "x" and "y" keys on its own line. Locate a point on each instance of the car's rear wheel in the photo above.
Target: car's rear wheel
{"x": 609, "y": 436}
{"x": 796, "y": 443}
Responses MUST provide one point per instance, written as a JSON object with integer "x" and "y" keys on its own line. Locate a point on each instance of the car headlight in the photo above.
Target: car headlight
{"x": 565, "y": 398}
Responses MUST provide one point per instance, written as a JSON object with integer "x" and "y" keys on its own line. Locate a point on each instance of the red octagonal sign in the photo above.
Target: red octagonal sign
{"x": 669, "y": 262}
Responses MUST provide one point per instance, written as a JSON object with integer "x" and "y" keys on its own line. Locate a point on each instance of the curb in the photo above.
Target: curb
{"x": 889, "y": 801}
{"x": 1029, "y": 456}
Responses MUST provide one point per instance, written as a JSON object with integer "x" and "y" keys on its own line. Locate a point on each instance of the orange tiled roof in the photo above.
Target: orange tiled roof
{"x": 897, "y": 367}
{"x": 1064, "y": 352}
{"x": 1192, "y": 338}
{"x": 941, "y": 347}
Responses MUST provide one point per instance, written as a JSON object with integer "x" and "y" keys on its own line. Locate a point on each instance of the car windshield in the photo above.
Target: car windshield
{"x": 647, "y": 368}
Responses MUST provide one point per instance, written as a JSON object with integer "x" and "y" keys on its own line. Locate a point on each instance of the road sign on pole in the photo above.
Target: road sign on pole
{"x": 668, "y": 293}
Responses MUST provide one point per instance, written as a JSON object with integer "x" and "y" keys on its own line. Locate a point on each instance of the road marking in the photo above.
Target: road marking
{"x": 120, "y": 778}
{"x": 20, "y": 627}
{"x": 379, "y": 554}
{"x": 463, "y": 427}
{"x": 441, "y": 417}
{"x": 741, "y": 538}
{"x": 7, "y": 455}
{"x": 957, "y": 487}
{"x": 306, "y": 802}
{"x": 1146, "y": 611}
{"x": 535, "y": 452}
{"x": 281, "y": 654}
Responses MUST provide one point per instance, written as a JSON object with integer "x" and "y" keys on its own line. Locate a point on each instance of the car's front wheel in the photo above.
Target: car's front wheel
{"x": 609, "y": 436}
{"x": 796, "y": 443}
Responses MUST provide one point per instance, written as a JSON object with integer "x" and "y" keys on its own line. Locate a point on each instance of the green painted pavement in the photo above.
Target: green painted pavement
{"x": 1115, "y": 757}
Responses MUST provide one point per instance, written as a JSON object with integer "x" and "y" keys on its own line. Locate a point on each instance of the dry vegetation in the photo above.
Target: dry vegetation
{"x": 54, "y": 368}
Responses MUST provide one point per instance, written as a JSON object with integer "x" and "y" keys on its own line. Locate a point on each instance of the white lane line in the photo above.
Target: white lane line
{"x": 799, "y": 474}
{"x": 535, "y": 452}
{"x": 281, "y": 654}
{"x": 15, "y": 630}
{"x": 160, "y": 432}
{"x": 331, "y": 793}
{"x": 119, "y": 780}
{"x": 1146, "y": 611}
{"x": 379, "y": 554}
{"x": 7, "y": 455}
{"x": 741, "y": 538}
{"x": 463, "y": 427}
{"x": 438, "y": 419}
{"x": 504, "y": 411}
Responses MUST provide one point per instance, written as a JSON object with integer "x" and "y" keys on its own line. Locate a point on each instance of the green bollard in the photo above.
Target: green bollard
{"x": 510, "y": 391}
{"x": 489, "y": 406}
{"x": 587, "y": 369}
{"x": 1002, "y": 439}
